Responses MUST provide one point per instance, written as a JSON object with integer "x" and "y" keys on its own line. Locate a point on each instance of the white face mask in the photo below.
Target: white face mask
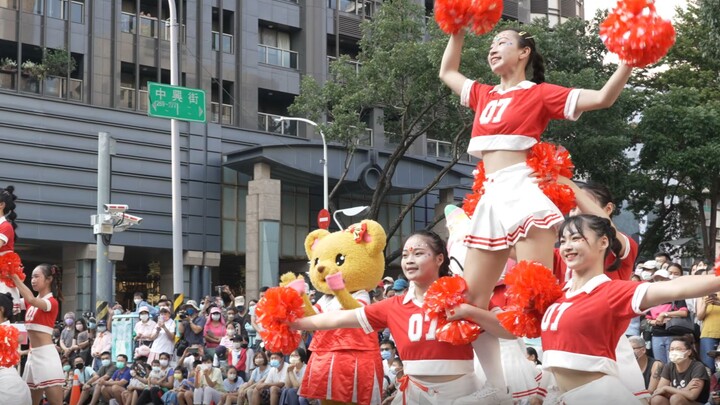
{"x": 137, "y": 301}
{"x": 230, "y": 333}
{"x": 677, "y": 356}
{"x": 163, "y": 363}
{"x": 646, "y": 275}
{"x": 393, "y": 370}
{"x": 236, "y": 345}
{"x": 144, "y": 317}
{"x": 717, "y": 366}
{"x": 673, "y": 277}
{"x": 294, "y": 359}
{"x": 215, "y": 317}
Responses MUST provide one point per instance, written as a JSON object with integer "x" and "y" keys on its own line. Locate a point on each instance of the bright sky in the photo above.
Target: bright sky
{"x": 666, "y": 8}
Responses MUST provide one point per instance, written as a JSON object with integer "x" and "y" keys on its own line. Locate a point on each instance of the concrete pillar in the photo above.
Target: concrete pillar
{"x": 192, "y": 260}
{"x": 195, "y": 283}
{"x": 78, "y": 284}
{"x": 447, "y": 197}
{"x": 262, "y": 251}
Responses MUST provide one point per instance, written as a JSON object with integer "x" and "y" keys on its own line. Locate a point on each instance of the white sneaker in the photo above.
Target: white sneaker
{"x": 488, "y": 395}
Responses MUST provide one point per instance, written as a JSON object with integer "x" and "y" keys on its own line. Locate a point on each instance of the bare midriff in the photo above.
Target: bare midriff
{"x": 38, "y": 338}
{"x": 436, "y": 378}
{"x": 568, "y": 380}
{"x": 495, "y": 160}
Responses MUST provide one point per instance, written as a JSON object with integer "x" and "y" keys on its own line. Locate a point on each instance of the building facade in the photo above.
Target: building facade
{"x": 557, "y": 11}
{"x": 251, "y": 187}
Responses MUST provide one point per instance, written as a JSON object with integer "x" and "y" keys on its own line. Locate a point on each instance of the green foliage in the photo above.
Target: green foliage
{"x": 58, "y": 62}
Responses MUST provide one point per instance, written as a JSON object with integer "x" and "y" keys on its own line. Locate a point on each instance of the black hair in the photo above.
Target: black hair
{"x": 689, "y": 344}
{"x": 231, "y": 368}
{"x": 601, "y": 227}
{"x": 84, "y": 324}
{"x": 532, "y": 352}
{"x": 123, "y": 355}
{"x": 6, "y": 305}
{"x": 104, "y": 353}
{"x": 279, "y": 354}
{"x": 207, "y": 357}
{"x": 51, "y": 270}
{"x": 388, "y": 342}
{"x": 8, "y": 197}
{"x": 164, "y": 354}
{"x": 599, "y": 191}
{"x": 438, "y": 246}
{"x": 536, "y": 61}
{"x": 673, "y": 264}
{"x": 138, "y": 294}
{"x": 264, "y": 288}
{"x": 303, "y": 354}
{"x": 666, "y": 255}
{"x": 261, "y": 354}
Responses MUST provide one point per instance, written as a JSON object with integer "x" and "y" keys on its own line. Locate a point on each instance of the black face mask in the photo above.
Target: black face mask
{"x": 79, "y": 366}
{"x": 240, "y": 309}
{"x": 244, "y": 345}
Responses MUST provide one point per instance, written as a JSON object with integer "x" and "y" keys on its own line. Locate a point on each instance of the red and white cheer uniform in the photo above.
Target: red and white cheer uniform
{"x": 345, "y": 365}
{"x": 581, "y": 331}
{"x": 43, "y": 368}
{"x": 422, "y": 355}
{"x": 7, "y": 236}
{"x": 512, "y": 119}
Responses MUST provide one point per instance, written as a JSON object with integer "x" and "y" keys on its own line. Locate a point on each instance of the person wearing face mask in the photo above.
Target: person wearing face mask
{"x": 160, "y": 377}
{"x": 684, "y": 380}
{"x": 191, "y": 328}
{"x": 214, "y": 330}
{"x": 228, "y": 391}
{"x": 140, "y": 303}
{"x": 145, "y": 330}
{"x": 396, "y": 371}
{"x": 239, "y": 356}
{"x": 231, "y": 330}
{"x": 67, "y": 375}
{"x": 650, "y": 368}
{"x": 101, "y": 344}
{"x": 93, "y": 386}
{"x": 81, "y": 342}
{"x": 171, "y": 396}
{"x": 84, "y": 373}
{"x": 295, "y": 373}
{"x": 68, "y": 334}
{"x": 208, "y": 379}
{"x": 708, "y": 311}
{"x": 116, "y": 385}
{"x": 269, "y": 389}
{"x": 388, "y": 354}
{"x": 163, "y": 336}
{"x": 261, "y": 371}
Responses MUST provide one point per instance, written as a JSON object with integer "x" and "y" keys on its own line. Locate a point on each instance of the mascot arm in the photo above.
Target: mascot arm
{"x": 298, "y": 284}
{"x": 337, "y": 284}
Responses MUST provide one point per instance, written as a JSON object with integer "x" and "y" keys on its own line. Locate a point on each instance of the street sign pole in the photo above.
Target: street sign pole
{"x": 177, "y": 253}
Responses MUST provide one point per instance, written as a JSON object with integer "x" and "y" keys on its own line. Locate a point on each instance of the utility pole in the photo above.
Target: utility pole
{"x": 104, "y": 267}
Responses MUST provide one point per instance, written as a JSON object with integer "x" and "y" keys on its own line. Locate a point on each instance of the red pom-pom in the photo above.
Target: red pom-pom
{"x": 453, "y": 15}
{"x": 717, "y": 266}
{"x": 531, "y": 289}
{"x": 274, "y": 312}
{"x": 478, "y": 189}
{"x": 549, "y": 161}
{"x": 636, "y": 33}
{"x": 9, "y": 355}
{"x": 444, "y": 294}
{"x": 485, "y": 15}
{"x": 10, "y": 264}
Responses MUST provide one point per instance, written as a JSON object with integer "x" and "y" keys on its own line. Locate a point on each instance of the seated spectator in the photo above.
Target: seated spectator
{"x": 163, "y": 337}
{"x": 229, "y": 389}
{"x": 387, "y": 281}
{"x": 92, "y": 387}
{"x": 208, "y": 378}
{"x": 187, "y": 388}
{"x": 159, "y": 379}
{"x": 192, "y": 326}
{"x": 138, "y": 382}
{"x": 67, "y": 375}
{"x": 238, "y": 356}
{"x": 230, "y": 333}
{"x": 114, "y": 387}
{"x": 258, "y": 375}
{"x": 170, "y": 397}
{"x": 145, "y": 329}
{"x": 295, "y": 373}
{"x": 268, "y": 391}
{"x": 190, "y": 356}
{"x": 396, "y": 370}
{"x": 684, "y": 380}
{"x": 214, "y": 330}
{"x": 650, "y": 368}
{"x": 84, "y": 372}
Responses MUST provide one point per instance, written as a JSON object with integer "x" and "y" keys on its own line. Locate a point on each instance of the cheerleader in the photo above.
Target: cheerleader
{"x": 7, "y": 237}
{"x": 43, "y": 370}
{"x": 509, "y": 119}
{"x": 581, "y": 330}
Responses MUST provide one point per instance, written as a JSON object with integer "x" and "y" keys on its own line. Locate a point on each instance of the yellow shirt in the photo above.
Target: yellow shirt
{"x": 711, "y": 323}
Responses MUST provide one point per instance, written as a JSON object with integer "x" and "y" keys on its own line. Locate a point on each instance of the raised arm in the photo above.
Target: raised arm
{"x": 488, "y": 320}
{"x": 25, "y": 292}
{"x": 328, "y": 320}
{"x": 679, "y": 289}
{"x": 590, "y": 100}
{"x": 450, "y": 65}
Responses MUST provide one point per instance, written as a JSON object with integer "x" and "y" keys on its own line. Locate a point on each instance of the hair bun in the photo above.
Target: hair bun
{"x": 10, "y": 189}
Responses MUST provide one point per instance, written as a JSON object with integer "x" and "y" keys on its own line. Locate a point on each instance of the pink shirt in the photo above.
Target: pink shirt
{"x": 218, "y": 329}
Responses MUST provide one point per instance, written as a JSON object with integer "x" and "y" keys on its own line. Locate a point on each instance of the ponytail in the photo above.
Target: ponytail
{"x": 8, "y": 197}
{"x": 536, "y": 60}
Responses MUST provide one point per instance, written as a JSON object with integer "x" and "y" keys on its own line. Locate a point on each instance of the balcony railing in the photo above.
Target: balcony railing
{"x": 352, "y": 63}
{"x": 127, "y": 98}
{"x": 278, "y": 57}
{"x": 270, "y": 123}
{"x": 9, "y": 4}
{"x": 148, "y": 26}
{"x": 127, "y": 22}
{"x": 443, "y": 149}
{"x": 363, "y": 8}
{"x": 60, "y": 87}
{"x": 222, "y": 42}
{"x": 166, "y": 31}
{"x": 222, "y": 113}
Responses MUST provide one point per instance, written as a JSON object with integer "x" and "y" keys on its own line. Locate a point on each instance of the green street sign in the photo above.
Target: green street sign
{"x": 181, "y": 103}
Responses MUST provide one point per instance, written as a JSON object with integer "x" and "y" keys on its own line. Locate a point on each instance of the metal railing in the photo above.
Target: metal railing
{"x": 365, "y": 139}
{"x": 166, "y": 31}
{"x": 148, "y": 26}
{"x": 127, "y": 98}
{"x": 270, "y": 123}
{"x": 127, "y": 22}
{"x": 278, "y": 57}
{"x": 352, "y": 63}
{"x": 222, "y": 42}
{"x": 443, "y": 149}
{"x": 8, "y": 80}
{"x": 222, "y": 113}
{"x": 363, "y": 8}
{"x": 9, "y": 4}
{"x": 61, "y": 87}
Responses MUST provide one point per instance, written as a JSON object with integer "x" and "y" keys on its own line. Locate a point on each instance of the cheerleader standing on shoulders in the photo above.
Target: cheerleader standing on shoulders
{"x": 43, "y": 370}
{"x": 434, "y": 372}
{"x": 7, "y": 236}
{"x": 509, "y": 119}
{"x": 584, "y": 365}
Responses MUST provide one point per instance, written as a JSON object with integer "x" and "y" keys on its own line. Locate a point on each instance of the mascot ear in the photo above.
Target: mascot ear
{"x": 312, "y": 238}
{"x": 372, "y": 235}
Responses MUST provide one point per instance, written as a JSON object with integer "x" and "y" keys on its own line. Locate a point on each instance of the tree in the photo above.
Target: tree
{"x": 400, "y": 59}
{"x": 678, "y": 171}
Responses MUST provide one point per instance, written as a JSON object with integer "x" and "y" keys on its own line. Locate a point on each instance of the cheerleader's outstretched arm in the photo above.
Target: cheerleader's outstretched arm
{"x": 679, "y": 289}
{"x": 590, "y": 100}
{"x": 450, "y": 65}
{"x": 486, "y": 319}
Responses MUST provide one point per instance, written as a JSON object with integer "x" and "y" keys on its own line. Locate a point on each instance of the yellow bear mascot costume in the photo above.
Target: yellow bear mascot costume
{"x": 345, "y": 366}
